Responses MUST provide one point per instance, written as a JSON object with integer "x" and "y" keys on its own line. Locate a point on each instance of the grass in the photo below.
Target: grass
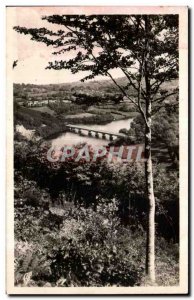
{"x": 44, "y": 109}
{"x": 80, "y": 115}
{"x": 114, "y": 111}
{"x": 167, "y": 265}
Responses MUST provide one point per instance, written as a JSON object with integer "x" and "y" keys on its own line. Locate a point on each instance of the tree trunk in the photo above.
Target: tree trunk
{"x": 150, "y": 251}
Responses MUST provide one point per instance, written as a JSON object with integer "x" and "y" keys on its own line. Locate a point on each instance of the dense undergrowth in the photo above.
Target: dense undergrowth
{"x": 85, "y": 224}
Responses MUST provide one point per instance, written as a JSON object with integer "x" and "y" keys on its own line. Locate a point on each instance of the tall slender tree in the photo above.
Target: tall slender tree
{"x": 143, "y": 47}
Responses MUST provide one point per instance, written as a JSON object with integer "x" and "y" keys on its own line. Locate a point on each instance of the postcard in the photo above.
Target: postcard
{"x": 97, "y": 150}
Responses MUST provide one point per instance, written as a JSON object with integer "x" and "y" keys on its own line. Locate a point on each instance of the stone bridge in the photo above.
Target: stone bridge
{"x": 92, "y": 132}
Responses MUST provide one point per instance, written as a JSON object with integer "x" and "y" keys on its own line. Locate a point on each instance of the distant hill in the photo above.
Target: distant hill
{"x": 100, "y": 87}
{"x": 94, "y": 84}
{"x": 103, "y": 85}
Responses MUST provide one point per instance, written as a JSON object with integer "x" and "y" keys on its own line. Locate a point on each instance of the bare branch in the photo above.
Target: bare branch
{"x": 121, "y": 89}
{"x": 160, "y": 99}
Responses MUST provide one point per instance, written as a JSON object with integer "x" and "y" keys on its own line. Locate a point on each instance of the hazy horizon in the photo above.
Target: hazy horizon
{"x": 77, "y": 81}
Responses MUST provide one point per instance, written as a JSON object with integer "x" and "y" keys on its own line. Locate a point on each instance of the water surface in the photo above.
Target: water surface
{"x": 70, "y": 138}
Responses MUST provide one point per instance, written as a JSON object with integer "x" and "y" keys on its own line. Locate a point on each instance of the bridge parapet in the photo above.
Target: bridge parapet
{"x": 97, "y": 133}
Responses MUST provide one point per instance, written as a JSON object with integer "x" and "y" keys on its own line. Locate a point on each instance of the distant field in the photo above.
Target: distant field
{"x": 114, "y": 111}
{"x": 80, "y": 115}
{"x": 44, "y": 109}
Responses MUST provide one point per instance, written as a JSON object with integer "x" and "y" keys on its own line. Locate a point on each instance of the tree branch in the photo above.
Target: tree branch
{"x": 160, "y": 99}
{"x": 121, "y": 89}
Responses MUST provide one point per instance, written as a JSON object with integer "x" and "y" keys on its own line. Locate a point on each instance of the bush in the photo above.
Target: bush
{"x": 126, "y": 108}
{"x": 95, "y": 119}
{"x": 98, "y": 252}
{"x": 91, "y": 248}
{"x": 67, "y": 108}
{"x": 99, "y": 238}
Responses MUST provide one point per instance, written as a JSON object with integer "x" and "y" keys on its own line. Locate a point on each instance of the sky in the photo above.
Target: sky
{"x": 33, "y": 57}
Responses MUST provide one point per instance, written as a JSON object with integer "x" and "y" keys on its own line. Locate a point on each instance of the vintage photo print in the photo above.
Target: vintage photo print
{"x": 97, "y": 150}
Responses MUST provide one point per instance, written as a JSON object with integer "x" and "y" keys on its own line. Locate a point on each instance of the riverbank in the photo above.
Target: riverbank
{"x": 89, "y": 114}
{"x": 48, "y": 126}
{"x": 43, "y": 124}
{"x": 101, "y": 118}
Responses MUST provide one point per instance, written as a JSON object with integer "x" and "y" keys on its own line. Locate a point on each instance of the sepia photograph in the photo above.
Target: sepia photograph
{"x": 97, "y": 144}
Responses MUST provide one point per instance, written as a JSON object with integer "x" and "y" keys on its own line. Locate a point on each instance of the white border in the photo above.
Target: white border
{"x": 3, "y": 79}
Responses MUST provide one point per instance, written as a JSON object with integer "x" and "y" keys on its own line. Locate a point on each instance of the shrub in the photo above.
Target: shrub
{"x": 91, "y": 248}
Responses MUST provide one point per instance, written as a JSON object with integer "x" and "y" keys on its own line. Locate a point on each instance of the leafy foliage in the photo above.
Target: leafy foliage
{"x": 91, "y": 248}
{"x": 88, "y": 183}
{"x": 165, "y": 131}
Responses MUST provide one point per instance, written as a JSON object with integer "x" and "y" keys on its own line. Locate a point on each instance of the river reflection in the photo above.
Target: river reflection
{"x": 70, "y": 138}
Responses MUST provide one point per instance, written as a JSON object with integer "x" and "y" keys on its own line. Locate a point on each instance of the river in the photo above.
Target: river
{"x": 70, "y": 138}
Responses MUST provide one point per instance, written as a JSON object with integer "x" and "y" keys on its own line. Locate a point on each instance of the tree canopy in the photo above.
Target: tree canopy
{"x": 101, "y": 43}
